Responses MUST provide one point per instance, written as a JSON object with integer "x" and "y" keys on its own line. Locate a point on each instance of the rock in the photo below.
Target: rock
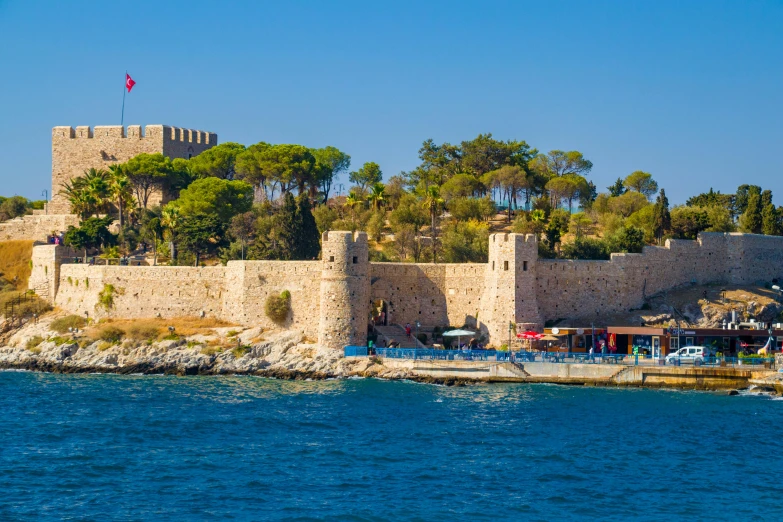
{"x": 733, "y": 392}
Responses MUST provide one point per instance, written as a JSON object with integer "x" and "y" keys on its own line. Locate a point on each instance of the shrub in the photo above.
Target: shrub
{"x": 61, "y": 324}
{"x": 278, "y": 306}
{"x": 143, "y": 331}
{"x": 240, "y": 351}
{"x": 33, "y": 342}
{"x": 106, "y": 297}
{"x": 111, "y": 334}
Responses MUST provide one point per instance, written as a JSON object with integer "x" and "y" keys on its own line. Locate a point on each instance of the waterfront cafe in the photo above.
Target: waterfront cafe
{"x": 662, "y": 341}
{"x": 574, "y": 339}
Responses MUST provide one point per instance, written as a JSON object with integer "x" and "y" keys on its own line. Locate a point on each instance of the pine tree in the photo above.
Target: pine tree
{"x": 750, "y": 221}
{"x": 308, "y": 245}
{"x": 618, "y": 189}
{"x": 662, "y": 218}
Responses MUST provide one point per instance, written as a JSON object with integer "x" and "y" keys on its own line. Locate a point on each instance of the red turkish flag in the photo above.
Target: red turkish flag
{"x": 129, "y": 83}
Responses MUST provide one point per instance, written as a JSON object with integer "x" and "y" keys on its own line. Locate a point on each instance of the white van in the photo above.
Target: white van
{"x": 689, "y": 355}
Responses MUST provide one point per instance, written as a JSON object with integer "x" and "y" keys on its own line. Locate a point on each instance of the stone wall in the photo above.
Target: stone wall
{"x": 36, "y": 227}
{"x": 77, "y": 150}
{"x": 513, "y": 287}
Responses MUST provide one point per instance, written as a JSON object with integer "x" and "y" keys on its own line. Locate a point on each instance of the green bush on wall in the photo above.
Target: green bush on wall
{"x": 278, "y": 306}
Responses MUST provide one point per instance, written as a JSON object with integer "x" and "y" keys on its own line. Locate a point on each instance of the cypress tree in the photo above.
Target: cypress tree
{"x": 662, "y": 218}
{"x": 770, "y": 219}
{"x": 308, "y": 244}
{"x": 289, "y": 229}
{"x": 750, "y": 221}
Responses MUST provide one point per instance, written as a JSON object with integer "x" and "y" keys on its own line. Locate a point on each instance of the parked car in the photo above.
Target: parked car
{"x": 695, "y": 355}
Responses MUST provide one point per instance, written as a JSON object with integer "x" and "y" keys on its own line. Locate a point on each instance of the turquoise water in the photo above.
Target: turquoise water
{"x": 100, "y": 447}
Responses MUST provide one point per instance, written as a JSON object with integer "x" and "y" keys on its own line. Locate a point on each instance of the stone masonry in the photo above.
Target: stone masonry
{"x": 330, "y": 299}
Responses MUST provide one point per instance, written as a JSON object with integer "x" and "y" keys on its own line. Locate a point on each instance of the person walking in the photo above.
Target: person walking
{"x": 591, "y": 353}
{"x": 408, "y": 330}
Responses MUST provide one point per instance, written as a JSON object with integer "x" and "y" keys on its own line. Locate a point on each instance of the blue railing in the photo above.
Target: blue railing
{"x": 356, "y": 351}
{"x": 551, "y": 357}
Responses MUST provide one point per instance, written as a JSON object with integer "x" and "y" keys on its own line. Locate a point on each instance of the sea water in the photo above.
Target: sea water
{"x": 104, "y": 447}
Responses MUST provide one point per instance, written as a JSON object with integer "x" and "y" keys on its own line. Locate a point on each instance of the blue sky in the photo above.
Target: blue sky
{"x": 689, "y": 91}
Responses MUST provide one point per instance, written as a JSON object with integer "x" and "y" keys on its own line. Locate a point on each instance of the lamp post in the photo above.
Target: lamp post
{"x": 418, "y": 325}
{"x": 510, "y": 327}
{"x": 45, "y": 194}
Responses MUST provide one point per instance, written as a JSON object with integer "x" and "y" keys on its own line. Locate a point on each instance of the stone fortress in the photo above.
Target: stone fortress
{"x": 76, "y": 150}
{"x": 513, "y": 287}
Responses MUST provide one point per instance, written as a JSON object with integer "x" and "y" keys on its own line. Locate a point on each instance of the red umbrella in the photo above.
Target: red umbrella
{"x": 530, "y": 335}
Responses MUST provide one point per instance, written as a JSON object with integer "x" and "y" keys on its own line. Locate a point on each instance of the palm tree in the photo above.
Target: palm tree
{"x": 96, "y": 186}
{"x": 434, "y": 203}
{"x": 120, "y": 189}
{"x": 377, "y": 195}
{"x": 76, "y": 198}
{"x": 352, "y": 201}
{"x": 169, "y": 221}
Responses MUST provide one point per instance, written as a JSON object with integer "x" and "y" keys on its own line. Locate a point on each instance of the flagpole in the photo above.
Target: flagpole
{"x": 125, "y": 80}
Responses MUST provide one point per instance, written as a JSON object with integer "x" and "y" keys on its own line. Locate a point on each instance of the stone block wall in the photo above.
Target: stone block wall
{"x": 82, "y": 148}
{"x": 142, "y": 291}
{"x": 36, "y": 227}
{"x": 331, "y": 298}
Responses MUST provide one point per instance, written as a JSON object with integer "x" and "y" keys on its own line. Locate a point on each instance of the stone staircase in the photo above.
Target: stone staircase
{"x": 396, "y": 333}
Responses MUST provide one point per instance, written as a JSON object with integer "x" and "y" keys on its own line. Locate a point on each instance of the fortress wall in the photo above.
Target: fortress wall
{"x": 142, "y": 291}
{"x": 36, "y": 227}
{"x": 249, "y": 283}
{"x": 77, "y": 150}
{"x": 752, "y": 258}
{"x": 434, "y": 294}
{"x": 582, "y": 288}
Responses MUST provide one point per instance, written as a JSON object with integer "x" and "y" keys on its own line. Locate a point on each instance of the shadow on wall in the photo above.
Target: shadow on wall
{"x": 429, "y": 294}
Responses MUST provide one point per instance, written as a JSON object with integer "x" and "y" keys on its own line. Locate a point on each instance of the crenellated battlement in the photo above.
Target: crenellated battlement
{"x": 157, "y": 132}
{"x": 505, "y": 237}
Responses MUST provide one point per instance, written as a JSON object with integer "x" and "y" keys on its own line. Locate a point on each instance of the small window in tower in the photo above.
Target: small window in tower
{"x": 190, "y": 155}
{"x": 331, "y": 259}
{"x": 493, "y": 266}
{"x": 505, "y": 265}
{"x": 524, "y": 266}
{"x": 355, "y": 260}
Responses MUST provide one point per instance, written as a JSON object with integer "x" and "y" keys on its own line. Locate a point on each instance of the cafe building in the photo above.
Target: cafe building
{"x": 658, "y": 342}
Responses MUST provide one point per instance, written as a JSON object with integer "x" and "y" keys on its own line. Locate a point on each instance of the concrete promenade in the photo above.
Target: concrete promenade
{"x": 712, "y": 378}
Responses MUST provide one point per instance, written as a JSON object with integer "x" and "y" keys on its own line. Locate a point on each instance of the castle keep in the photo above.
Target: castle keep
{"x": 83, "y": 148}
{"x": 331, "y": 299}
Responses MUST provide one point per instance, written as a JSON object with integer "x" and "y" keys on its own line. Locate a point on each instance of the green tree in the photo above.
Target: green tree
{"x": 377, "y": 195}
{"x": 369, "y": 174}
{"x": 662, "y": 218}
{"x": 13, "y": 207}
{"x": 218, "y": 161}
{"x": 434, "y": 205}
{"x": 627, "y": 239}
{"x": 558, "y": 163}
{"x": 558, "y": 225}
{"x": 252, "y": 166}
{"x": 148, "y": 172}
{"x": 586, "y": 248}
{"x": 568, "y": 187}
{"x": 92, "y": 233}
{"x": 215, "y": 197}
{"x": 243, "y": 229}
{"x": 460, "y": 186}
{"x": 628, "y": 203}
{"x": 580, "y": 224}
{"x": 330, "y": 162}
{"x": 120, "y": 190}
{"x": 465, "y": 242}
{"x": 687, "y": 222}
{"x": 641, "y": 182}
{"x": 308, "y": 243}
{"x": 751, "y": 219}
{"x": 201, "y": 234}
{"x": 324, "y": 217}
{"x": 770, "y": 219}
{"x": 617, "y": 188}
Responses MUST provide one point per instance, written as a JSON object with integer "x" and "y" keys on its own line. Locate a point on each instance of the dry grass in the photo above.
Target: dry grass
{"x": 15, "y": 259}
{"x": 183, "y": 326}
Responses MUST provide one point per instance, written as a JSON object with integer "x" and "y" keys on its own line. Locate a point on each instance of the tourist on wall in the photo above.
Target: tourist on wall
{"x": 408, "y": 330}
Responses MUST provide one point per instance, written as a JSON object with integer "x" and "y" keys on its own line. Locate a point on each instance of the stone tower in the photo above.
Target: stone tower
{"x": 83, "y": 148}
{"x": 510, "y": 286}
{"x": 345, "y": 290}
